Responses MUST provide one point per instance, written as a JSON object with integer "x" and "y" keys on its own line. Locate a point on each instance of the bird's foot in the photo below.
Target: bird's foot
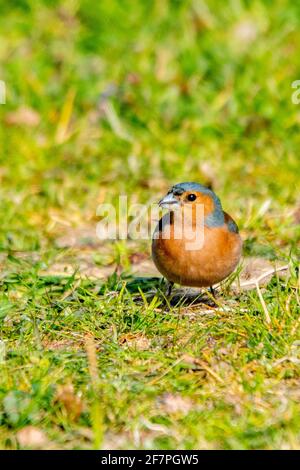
{"x": 212, "y": 297}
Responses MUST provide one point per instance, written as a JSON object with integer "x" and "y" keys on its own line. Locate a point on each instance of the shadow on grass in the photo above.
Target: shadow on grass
{"x": 149, "y": 287}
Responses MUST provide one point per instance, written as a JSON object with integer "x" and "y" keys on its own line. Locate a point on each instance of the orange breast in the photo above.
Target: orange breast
{"x": 201, "y": 266}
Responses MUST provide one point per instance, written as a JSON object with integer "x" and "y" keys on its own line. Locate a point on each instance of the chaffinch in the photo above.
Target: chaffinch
{"x": 196, "y": 243}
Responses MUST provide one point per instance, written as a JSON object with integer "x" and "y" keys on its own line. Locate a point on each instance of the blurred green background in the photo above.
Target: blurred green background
{"x": 129, "y": 97}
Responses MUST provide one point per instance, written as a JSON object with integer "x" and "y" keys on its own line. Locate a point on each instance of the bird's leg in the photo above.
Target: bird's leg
{"x": 212, "y": 291}
{"x": 170, "y": 286}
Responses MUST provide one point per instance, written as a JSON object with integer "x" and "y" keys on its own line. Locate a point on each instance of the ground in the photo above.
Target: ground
{"x": 130, "y": 97}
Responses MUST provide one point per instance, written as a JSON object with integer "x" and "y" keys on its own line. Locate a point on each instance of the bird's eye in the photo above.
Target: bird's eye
{"x": 191, "y": 197}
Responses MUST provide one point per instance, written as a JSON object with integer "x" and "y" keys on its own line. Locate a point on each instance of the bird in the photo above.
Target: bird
{"x": 195, "y": 243}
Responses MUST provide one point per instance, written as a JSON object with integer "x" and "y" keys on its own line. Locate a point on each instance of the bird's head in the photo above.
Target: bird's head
{"x": 188, "y": 197}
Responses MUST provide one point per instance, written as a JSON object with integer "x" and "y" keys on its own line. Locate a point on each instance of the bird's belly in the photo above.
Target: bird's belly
{"x": 213, "y": 262}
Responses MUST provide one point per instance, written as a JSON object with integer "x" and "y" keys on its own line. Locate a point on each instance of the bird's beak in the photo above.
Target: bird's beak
{"x": 169, "y": 202}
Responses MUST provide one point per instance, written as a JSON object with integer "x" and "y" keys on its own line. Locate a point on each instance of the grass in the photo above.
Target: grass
{"x": 128, "y": 98}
